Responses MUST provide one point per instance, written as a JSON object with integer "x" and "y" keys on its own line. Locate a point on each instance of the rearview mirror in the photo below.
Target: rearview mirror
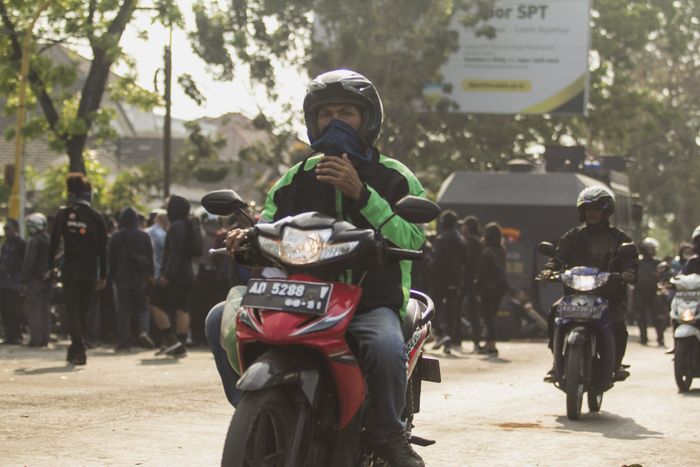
{"x": 546, "y": 249}
{"x": 417, "y": 210}
{"x": 222, "y": 202}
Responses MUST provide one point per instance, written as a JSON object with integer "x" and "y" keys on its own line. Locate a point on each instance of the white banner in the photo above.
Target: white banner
{"x": 536, "y": 63}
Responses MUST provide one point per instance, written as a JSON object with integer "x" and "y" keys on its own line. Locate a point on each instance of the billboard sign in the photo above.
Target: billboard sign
{"x": 536, "y": 63}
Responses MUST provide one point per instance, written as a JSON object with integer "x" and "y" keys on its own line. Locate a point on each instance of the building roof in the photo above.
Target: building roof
{"x": 513, "y": 189}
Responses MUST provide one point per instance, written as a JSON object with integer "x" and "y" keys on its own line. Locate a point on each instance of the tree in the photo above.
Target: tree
{"x": 71, "y": 110}
{"x": 644, "y": 93}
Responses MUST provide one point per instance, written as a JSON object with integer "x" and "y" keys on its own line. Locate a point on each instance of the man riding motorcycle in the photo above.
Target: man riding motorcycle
{"x": 693, "y": 264}
{"x": 347, "y": 178}
{"x": 594, "y": 244}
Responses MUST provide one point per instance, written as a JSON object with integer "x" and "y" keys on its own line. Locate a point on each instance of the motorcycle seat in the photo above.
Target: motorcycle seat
{"x": 414, "y": 312}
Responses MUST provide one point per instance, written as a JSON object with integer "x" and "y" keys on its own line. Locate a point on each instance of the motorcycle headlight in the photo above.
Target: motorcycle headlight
{"x": 584, "y": 282}
{"x": 687, "y": 315}
{"x": 301, "y": 247}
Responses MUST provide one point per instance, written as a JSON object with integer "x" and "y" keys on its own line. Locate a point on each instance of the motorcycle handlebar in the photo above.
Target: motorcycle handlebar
{"x": 400, "y": 254}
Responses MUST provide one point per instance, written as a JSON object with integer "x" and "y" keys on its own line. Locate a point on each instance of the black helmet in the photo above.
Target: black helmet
{"x": 344, "y": 87}
{"x": 597, "y": 195}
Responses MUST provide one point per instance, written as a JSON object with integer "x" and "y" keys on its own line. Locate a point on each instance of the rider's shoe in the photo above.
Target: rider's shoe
{"x": 398, "y": 452}
{"x": 551, "y": 376}
{"x": 670, "y": 351}
{"x": 621, "y": 374}
{"x": 440, "y": 341}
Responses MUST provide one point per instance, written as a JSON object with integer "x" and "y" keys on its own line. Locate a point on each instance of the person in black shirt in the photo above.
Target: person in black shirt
{"x": 37, "y": 288}
{"x": 84, "y": 237}
{"x": 131, "y": 271}
{"x": 11, "y": 256}
{"x": 447, "y": 273}
{"x": 470, "y": 303}
{"x": 693, "y": 264}
{"x": 174, "y": 286}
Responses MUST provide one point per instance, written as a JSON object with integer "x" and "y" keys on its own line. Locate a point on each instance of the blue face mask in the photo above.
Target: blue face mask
{"x": 339, "y": 138}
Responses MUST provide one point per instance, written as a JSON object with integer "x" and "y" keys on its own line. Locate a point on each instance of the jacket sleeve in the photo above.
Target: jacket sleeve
{"x": 149, "y": 251}
{"x": 377, "y": 210}
{"x": 112, "y": 254}
{"x": 55, "y": 238}
{"x": 102, "y": 245}
{"x": 29, "y": 260}
{"x": 565, "y": 247}
{"x": 175, "y": 243}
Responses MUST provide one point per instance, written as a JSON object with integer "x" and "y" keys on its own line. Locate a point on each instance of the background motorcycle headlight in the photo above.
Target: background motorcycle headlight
{"x": 584, "y": 282}
{"x": 687, "y": 315}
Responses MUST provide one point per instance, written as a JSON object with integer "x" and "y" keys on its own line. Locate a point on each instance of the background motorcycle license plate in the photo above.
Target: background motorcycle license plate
{"x": 580, "y": 312}
{"x": 301, "y": 297}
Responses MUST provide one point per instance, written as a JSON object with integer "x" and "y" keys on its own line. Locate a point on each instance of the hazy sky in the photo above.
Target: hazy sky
{"x": 222, "y": 97}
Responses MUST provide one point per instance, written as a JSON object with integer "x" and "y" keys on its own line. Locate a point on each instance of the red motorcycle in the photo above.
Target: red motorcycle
{"x": 304, "y": 391}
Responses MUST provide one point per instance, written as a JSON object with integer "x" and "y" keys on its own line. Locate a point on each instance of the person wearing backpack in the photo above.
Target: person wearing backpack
{"x": 131, "y": 270}
{"x": 84, "y": 269}
{"x": 645, "y": 299}
{"x": 491, "y": 282}
{"x": 173, "y": 289}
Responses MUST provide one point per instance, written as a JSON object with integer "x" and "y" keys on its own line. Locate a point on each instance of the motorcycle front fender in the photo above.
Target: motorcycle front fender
{"x": 686, "y": 330}
{"x": 283, "y": 367}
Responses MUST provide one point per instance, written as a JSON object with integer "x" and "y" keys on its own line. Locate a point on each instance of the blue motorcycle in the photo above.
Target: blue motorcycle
{"x": 584, "y": 343}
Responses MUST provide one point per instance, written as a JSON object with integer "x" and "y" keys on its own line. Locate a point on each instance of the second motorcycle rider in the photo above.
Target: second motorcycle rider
{"x": 594, "y": 244}
{"x": 347, "y": 178}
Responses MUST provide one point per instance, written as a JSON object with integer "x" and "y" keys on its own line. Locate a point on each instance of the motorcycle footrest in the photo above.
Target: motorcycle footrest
{"x": 418, "y": 441}
{"x": 430, "y": 369}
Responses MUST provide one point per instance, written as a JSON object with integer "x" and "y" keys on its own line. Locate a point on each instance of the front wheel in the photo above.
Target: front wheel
{"x": 682, "y": 363}
{"x": 261, "y": 430}
{"x": 595, "y": 400}
{"x": 574, "y": 381}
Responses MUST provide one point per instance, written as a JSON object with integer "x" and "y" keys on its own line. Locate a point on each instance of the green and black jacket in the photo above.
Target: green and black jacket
{"x": 386, "y": 181}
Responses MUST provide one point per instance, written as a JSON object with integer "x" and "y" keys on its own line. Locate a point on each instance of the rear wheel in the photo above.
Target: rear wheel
{"x": 682, "y": 363}
{"x": 260, "y": 432}
{"x": 574, "y": 382}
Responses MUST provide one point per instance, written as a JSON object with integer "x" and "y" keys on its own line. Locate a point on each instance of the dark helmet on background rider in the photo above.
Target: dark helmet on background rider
{"x": 36, "y": 223}
{"x": 344, "y": 87}
{"x": 597, "y": 196}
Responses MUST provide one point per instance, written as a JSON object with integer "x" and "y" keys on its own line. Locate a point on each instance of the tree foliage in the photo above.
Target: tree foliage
{"x": 644, "y": 93}
{"x": 70, "y": 104}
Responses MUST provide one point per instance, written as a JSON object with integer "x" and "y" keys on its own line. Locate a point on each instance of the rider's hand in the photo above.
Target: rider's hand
{"x": 628, "y": 276}
{"x": 339, "y": 172}
{"x": 101, "y": 284}
{"x": 163, "y": 282}
{"x": 234, "y": 239}
{"x": 544, "y": 275}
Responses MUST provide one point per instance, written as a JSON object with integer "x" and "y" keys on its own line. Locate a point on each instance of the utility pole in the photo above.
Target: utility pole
{"x": 167, "y": 123}
{"x": 16, "y": 210}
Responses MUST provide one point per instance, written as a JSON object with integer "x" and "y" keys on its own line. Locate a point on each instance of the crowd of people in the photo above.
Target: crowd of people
{"x": 135, "y": 281}
{"x": 466, "y": 277}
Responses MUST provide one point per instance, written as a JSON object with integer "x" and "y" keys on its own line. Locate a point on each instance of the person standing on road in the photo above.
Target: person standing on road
{"x": 173, "y": 288}
{"x": 84, "y": 237}
{"x": 37, "y": 287}
{"x": 491, "y": 282}
{"x": 131, "y": 271}
{"x": 157, "y": 232}
{"x": 470, "y": 303}
{"x": 645, "y": 299}
{"x": 447, "y": 272}
{"x": 11, "y": 257}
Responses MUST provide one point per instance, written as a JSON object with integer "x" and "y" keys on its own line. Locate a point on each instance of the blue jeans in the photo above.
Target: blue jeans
{"x": 382, "y": 356}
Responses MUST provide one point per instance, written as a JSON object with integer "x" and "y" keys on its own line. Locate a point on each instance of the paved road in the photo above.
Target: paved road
{"x": 136, "y": 409}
